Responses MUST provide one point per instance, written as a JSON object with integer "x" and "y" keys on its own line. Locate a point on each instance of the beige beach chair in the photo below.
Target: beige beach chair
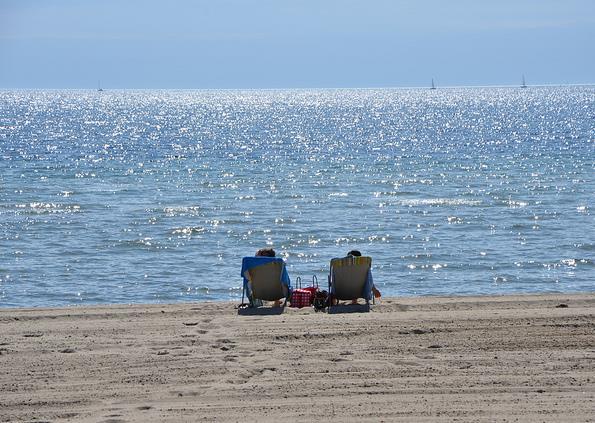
{"x": 266, "y": 282}
{"x": 347, "y": 280}
{"x": 265, "y": 285}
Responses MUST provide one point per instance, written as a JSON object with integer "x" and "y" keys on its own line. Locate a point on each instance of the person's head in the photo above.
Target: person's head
{"x": 265, "y": 252}
{"x": 354, "y": 253}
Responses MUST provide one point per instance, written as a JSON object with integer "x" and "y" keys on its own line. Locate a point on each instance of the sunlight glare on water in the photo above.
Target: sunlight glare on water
{"x": 155, "y": 196}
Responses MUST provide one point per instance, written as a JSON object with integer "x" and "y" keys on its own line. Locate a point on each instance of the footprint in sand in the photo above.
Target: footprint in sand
{"x": 224, "y": 347}
{"x": 249, "y": 374}
{"x": 32, "y": 335}
{"x": 113, "y": 418}
{"x": 224, "y": 344}
{"x": 185, "y": 394}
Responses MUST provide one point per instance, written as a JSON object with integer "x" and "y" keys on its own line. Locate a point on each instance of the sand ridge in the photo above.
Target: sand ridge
{"x": 508, "y": 358}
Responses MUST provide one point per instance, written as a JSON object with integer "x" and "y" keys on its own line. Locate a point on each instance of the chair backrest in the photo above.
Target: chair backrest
{"x": 266, "y": 281}
{"x": 349, "y": 276}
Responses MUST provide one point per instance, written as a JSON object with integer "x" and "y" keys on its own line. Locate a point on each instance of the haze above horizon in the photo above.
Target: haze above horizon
{"x": 306, "y": 44}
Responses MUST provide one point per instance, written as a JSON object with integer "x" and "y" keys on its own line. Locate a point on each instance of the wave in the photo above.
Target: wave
{"x": 440, "y": 202}
{"x": 46, "y": 208}
{"x": 174, "y": 211}
{"x": 188, "y": 231}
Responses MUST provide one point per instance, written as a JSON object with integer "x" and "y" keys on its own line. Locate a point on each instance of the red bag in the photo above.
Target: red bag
{"x": 301, "y": 298}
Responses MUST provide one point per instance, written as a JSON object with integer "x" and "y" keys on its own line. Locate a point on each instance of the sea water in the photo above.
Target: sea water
{"x": 155, "y": 196}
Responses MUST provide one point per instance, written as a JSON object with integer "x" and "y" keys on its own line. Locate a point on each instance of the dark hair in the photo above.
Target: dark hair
{"x": 265, "y": 252}
{"x": 354, "y": 253}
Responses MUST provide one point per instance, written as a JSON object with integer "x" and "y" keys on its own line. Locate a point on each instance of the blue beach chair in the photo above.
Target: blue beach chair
{"x": 265, "y": 279}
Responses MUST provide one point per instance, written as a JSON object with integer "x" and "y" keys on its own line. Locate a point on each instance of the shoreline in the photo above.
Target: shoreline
{"x": 237, "y": 301}
{"x": 466, "y": 358}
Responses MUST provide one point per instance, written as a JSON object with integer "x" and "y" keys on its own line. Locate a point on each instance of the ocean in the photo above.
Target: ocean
{"x": 156, "y": 195}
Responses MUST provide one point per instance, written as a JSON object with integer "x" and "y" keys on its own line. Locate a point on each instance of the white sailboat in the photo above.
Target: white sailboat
{"x": 433, "y": 87}
{"x": 99, "y": 86}
{"x": 523, "y": 85}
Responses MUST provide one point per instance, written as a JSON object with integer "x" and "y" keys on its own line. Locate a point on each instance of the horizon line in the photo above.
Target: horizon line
{"x": 403, "y": 87}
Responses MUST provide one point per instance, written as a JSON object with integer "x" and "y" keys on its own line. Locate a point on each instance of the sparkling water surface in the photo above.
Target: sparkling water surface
{"x": 155, "y": 196}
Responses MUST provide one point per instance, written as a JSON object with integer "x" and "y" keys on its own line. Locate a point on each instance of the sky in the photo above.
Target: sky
{"x": 294, "y": 43}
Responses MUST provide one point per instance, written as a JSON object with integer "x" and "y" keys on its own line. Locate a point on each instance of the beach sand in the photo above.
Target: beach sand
{"x": 527, "y": 358}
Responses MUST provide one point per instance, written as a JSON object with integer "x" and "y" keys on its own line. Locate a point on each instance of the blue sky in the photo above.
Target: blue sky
{"x": 294, "y": 43}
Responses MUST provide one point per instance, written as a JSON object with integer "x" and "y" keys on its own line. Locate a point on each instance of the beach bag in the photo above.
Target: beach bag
{"x": 300, "y": 298}
{"x": 303, "y": 297}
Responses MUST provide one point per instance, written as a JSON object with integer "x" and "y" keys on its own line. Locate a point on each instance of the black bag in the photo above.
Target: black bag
{"x": 320, "y": 300}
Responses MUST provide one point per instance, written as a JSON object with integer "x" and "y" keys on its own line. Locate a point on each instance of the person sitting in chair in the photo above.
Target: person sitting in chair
{"x": 375, "y": 291}
{"x": 268, "y": 252}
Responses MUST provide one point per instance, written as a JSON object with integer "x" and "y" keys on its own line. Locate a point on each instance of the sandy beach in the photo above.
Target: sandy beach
{"x": 528, "y": 358}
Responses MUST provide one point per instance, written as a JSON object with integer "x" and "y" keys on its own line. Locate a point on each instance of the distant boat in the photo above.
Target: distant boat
{"x": 99, "y": 86}
{"x": 523, "y": 85}
{"x": 433, "y": 87}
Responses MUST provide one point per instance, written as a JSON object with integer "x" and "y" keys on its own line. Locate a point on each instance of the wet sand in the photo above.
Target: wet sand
{"x": 528, "y": 358}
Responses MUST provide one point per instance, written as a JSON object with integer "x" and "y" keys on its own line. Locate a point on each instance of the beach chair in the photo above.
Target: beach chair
{"x": 350, "y": 278}
{"x": 265, "y": 279}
